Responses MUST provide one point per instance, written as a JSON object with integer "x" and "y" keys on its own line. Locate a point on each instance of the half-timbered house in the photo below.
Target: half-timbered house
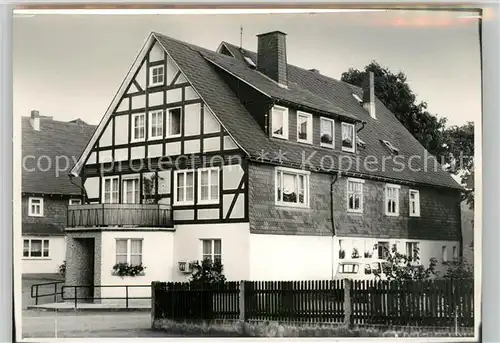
{"x": 239, "y": 156}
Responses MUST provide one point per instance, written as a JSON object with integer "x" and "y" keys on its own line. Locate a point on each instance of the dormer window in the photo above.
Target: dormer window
{"x": 304, "y": 127}
{"x": 279, "y": 121}
{"x": 156, "y": 76}
{"x": 348, "y": 137}
{"x": 391, "y": 147}
{"x": 327, "y": 132}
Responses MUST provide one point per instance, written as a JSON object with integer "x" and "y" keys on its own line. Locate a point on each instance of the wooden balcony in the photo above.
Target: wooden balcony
{"x": 126, "y": 215}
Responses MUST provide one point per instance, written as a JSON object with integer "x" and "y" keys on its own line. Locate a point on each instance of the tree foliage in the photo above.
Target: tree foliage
{"x": 459, "y": 269}
{"x": 402, "y": 267}
{"x": 452, "y": 146}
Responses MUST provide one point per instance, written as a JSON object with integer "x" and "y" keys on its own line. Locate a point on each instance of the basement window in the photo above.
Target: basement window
{"x": 391, "y": 147}
{"x": 279, "y": 121}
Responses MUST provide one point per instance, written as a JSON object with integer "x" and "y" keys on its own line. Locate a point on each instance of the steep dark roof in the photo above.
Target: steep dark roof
{"x": 201, "y": 66}
{"x": 59, "y": 142}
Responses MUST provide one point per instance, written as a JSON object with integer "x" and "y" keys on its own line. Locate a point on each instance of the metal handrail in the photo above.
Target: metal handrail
{"x": 54, "y": 294}
{"x": 75, "y": 298}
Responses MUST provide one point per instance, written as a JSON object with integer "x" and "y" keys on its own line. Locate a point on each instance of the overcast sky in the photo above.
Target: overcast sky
{"x": 70, "y": 66}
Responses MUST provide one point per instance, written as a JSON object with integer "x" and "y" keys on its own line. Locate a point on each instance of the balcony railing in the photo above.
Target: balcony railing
{"x": 126, "y": 215}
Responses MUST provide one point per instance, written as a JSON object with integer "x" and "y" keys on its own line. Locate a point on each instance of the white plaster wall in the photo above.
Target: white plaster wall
{"x": 106, "y": 138}
{"x": 121, "y": 129}
{"x": 92, "y": 187}
{"x": 46, "y": 265}
{"x": 157, "y": 257}
{"x": 235, "y": 247}
{"x": 290, "y": 257}
{"x": 156, "y": 53}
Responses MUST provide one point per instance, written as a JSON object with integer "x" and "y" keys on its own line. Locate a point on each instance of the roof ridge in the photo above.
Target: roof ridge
{"x": 62, "y": 121}
{"x": 301, "y": 68}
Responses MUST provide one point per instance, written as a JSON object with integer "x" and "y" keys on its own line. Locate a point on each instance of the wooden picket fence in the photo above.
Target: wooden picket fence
{"x": 443, "y": 303}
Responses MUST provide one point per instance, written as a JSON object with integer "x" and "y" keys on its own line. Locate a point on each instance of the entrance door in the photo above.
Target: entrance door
{"x": 87, "y": 270}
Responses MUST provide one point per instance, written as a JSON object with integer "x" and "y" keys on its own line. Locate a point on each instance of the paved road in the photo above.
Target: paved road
{"x": 41, "y": 324}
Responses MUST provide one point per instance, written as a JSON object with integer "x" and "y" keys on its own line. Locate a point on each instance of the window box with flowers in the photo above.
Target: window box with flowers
{"x": 128, "y": 258}
{"x": 126, "y": 269}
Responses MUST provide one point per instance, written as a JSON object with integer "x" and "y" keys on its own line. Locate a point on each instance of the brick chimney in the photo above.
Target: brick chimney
{"x": 35, "y": 120}
{"x": 369, "y": 94}
{"x": 271, "y": 56}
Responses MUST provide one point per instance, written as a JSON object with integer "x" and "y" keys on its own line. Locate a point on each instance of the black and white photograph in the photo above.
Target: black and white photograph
{"x": 247, "y": 173}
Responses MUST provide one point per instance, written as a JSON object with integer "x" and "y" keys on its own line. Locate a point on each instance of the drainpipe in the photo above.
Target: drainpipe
{"x": 335, "y": 177}
{"x": 363, "y": 123}
{"x": 82, "y": 188}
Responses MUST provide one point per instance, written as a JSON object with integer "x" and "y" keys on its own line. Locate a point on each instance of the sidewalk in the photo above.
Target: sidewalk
{"x": 133, "y": 306}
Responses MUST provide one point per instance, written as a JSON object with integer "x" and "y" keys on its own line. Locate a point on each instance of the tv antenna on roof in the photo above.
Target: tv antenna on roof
{"x": 241, "y": 36}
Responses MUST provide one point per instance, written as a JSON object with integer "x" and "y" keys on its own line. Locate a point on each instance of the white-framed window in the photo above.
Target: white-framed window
{"x": 174, "y": 122}
{"x": 75, "y": 201}
{"x": 156, "y": 124}
{"x": 412, "y": 251}
{"x": 292, "y": 187}
{"x": 130, "y": 189}
{"x": 110, "y": 190}
{"x": 414, "y": 203}
{"x": 36, "y": 248}
{"x": 156, "y": 76}
{"x": 129, "y": 250}
{"x": 279, "y": 119}
{"x": 208, "y": 185}
{"x": 444, "y": 253}
{"x": 392, "y": 200}
{"x": 383, "y": 250}
{"x": 138, "y": 127}
{"x": 455, "y": 253}
{"x": 184, "y": 187}
{"x": 327, "y": 132}
{"x": 304, "y": 127}
{"x": 35, "y": 207}
{"x": 355, "y": 195}
{"x": 211, "y": 249}
{"x": 348, "y": 137}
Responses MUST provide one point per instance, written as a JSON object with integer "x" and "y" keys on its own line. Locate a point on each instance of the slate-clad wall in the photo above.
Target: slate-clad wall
{"x": 439, "y": 220}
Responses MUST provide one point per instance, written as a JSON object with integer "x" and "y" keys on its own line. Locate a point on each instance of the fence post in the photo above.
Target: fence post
{"x": 153, "y": 302}
{"x": 126, "y": 296}
{"x": 242, "y": 301}
{"x": 347, "y": 302}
